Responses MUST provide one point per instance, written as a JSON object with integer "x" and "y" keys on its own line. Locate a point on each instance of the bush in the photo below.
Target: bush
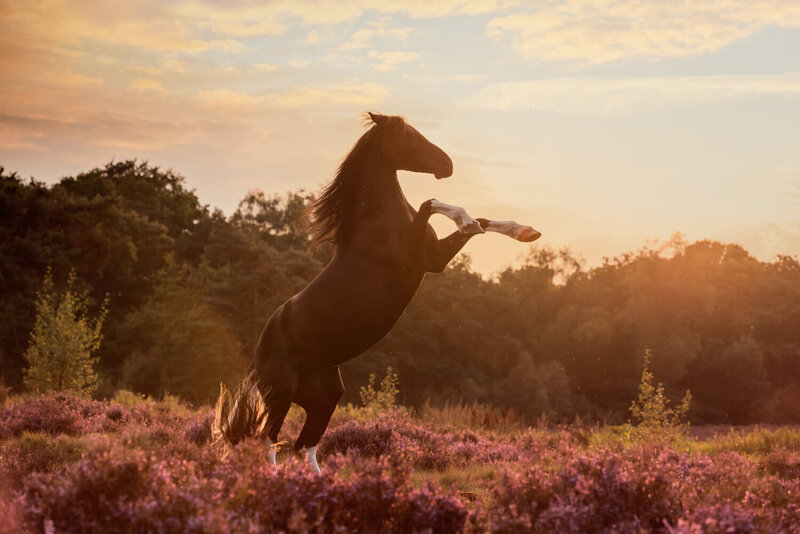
{"x": 651, "y": 409}
{"x": 424, "y": 446}
{"x": 607, "y": 491}
{"x": 383, "y": 398}
{"x": 11, "y": 520}
{"x": 97, "y": 494}
{"x": 54, "y": 414}
{"x": 199, "y": 430}
{"x": 63, "y": 339}
{"x": 125, "y": 491}
{"x": 37, "y": 453}
{"x": 782, "y": 463}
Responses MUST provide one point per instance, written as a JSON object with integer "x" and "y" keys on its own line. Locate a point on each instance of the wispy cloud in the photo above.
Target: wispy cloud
{"x": 263, "y": 67}
{"x": 391, "y": 60}
{"x": 600, "y": 96}
{"x": 607, "y": 30}
{"x": 345, "y": 94}
{"x": 147, "y": 84}
{"x": 328, "y": 12}
{"x": 376, "y": 31}
{"x": 364, "y": 95}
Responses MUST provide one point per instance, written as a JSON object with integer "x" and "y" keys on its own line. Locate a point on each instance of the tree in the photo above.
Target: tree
{"x": 177, "y": 343}
{"x": 63, "y": 339}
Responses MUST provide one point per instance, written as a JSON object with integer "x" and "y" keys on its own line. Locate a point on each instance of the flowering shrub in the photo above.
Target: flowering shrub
{"x": 38, "y": 452}
{"x": 129, "y": 491}
{"x": 57, "y": 413}
{"x": 638, "y": 491}
{"x": 75, "y": 465}
{"x": 643, "y": 489}
{"x": 426, "y": 447}
{"x": 374, "y": 496}
{"x": 199, "y": 429}
{"x": 11, "y": 520}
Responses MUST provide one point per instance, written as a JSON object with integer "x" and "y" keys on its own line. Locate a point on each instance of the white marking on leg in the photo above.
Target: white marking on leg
{"x": 311, "y": 454}
{"x": 458, "y": 215}
{"x": 271, "y": 453}
{"x": 512, "y": 229}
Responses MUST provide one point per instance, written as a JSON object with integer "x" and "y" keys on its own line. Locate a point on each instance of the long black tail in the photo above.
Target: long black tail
{"x": 240, "y": 415}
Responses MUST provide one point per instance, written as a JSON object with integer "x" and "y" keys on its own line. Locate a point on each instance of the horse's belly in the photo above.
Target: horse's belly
{"x": 338, "y": 320}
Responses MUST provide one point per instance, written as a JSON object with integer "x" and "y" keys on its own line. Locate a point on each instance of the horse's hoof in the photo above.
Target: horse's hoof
{"x": 528, "y": 235}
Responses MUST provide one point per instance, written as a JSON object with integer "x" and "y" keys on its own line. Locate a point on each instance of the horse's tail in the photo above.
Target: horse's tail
{"x": 238, "y": 416}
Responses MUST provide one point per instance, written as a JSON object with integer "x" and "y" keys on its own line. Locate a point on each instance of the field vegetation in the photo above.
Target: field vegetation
{"x": 133, "y": 464}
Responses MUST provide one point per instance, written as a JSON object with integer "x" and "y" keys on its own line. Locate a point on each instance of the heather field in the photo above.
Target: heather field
{"x": 133, "y": 465}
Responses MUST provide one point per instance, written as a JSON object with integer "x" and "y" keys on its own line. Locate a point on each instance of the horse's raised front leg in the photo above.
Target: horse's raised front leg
{"x": 434, "y": 255}
{"x": 445, "y": 250}
{"x": 458, "y": 215}
{"x": 520, "y": 232}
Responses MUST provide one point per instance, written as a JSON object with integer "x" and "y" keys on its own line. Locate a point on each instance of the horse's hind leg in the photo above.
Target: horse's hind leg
{"x": 277, "y": 402}
{"x": 317, "y": 393}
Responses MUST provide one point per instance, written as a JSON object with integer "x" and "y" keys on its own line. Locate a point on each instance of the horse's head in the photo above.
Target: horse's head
{"x": 405, "y": 149}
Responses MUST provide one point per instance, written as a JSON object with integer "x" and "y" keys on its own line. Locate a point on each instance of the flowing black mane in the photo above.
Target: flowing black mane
{"x": 332, "y": 213}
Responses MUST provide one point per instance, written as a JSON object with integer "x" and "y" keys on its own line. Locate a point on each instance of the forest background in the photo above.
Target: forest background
{"x": 188, "y": 290}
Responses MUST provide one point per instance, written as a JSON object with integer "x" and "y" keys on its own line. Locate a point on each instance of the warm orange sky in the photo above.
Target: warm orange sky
{"x": 604, "y": 124}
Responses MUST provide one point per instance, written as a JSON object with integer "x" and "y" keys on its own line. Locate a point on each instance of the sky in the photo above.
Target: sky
{"x": 606, "y": 125}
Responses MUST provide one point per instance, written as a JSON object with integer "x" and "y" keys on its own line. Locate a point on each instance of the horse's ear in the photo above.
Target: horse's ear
{"x": 377, "y": 118}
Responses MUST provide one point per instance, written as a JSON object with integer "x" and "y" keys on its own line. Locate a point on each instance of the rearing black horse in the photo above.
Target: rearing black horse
{"x": 382, "y": 249}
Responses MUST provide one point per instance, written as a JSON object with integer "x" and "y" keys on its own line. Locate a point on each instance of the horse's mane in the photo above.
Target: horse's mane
{"x": 331, "y": 215}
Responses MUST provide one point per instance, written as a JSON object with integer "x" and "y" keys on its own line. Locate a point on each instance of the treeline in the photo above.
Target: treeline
{"x": 189, "y": 289}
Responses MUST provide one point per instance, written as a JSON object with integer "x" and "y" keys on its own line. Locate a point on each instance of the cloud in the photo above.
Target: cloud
{"x": 243, "y": 29}
{"x": 226, "y": 99}
{"x": 391, "y": 60}
{"x": 361, "y": 95}
{"x": 330, "y": 12}
{"x": 600, "y": 31}
{"x": 377, "y": 30}
{"x": 263, "y": 67}
{"x": 100, "y": 129}
{"x": 148, "y": 84}
{"x": 601, "y": 96}
{"x": 320, "y": 35}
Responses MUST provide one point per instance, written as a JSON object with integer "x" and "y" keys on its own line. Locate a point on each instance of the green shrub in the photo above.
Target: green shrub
{"x": 651, "y": 409}
{"x": 654, "y": 419}
{"x": 63, "y": 340}
{"x": 383, "y": 398}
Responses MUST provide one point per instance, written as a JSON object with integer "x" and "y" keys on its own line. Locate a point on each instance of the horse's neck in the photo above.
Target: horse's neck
{"x": 378, "y": 190}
